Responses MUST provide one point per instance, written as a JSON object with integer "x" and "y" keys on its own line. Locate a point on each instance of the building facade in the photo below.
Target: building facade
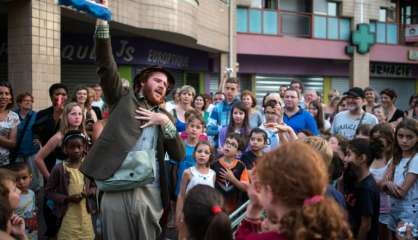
{"x": 42, "y": 43}
{"x": 271, "y": 42}
{"x": 282, "y": 40}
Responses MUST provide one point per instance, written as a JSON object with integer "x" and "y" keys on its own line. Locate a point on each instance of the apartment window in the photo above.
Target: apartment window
{"x": 406, "y": 17}
{"x": 382, "y": 15}
{"x": 332, "y": 9}
{"x": 270, "y": 4}
{"x": 266, "y": 4}
{"x": 256, "y": 3}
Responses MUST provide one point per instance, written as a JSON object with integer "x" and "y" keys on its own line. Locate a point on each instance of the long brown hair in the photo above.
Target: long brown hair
{"x": 319, "y": 118}
{"x": 411, "y": 125}
{"x": 295, "y": 172}
{"x": 386, "y": 132}
{"x": 204, "y": 215}
{"x": 245, "y": 125}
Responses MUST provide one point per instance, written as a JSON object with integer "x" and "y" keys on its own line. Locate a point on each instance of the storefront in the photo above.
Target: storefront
{"x": 323, "y": 75}
{"x": 400, "y": 77}
{"x": 269, "y": 73}
{"x": 189, "y": 66}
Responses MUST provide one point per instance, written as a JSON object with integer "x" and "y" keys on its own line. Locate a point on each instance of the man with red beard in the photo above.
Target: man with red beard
{"x": 136, "y": 123}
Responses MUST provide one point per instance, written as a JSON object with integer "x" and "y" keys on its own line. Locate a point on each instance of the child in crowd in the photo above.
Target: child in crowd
{"x": 401, "y": 178}
{"x": 324, "y": 149}
{"x": 194, "y": 129}
{"x": 8, "y": 188}
{"x": 363, "y": 131}
{"x": 294, "y": 201}
{"x": 363, "y": 197}
{"x": 72, "y": 119}
{"x": 258, "y": 141}
{"x": 238, "y": 124}
{"x": 9, "y": 196}
{"x": 200, "y": 173}
{"x": 231, "y": 173}
{"x": 339, "y": 147}
{"x": 204, "y": 215}
{"x": 67, "y": 189}
{"x": 10, "y": 224}
{"x": 27, "y": 205}
{"x": 379, "y": 112}
{"x": 203, "y": 136}
{"x": 381, "y": 136}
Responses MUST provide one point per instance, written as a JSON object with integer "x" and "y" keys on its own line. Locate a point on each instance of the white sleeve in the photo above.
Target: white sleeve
{"x": 413, "y": 165}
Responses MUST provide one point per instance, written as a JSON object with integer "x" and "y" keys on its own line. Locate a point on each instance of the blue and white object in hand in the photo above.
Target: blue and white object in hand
{"x": 92, "y": 8}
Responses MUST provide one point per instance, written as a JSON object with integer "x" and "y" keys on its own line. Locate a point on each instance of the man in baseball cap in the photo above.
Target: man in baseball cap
{"x": 355, "y": 92}
{"x": 346, "y": 122}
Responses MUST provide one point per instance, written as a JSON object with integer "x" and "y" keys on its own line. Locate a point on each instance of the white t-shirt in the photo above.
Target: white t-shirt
{"x": 378, "y": 175}
{"x": 399, "y": 177}
{"x": 345, "y": 125}
{"x": 200, "y": 178}
{"x": 27, "y": 210}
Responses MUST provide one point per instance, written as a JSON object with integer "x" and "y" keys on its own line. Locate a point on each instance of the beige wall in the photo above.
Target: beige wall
{"x": 351, "y": 8}
{"x": 206, "y": 23}
{"x": 360, "y": 64}
{"x": 34, "y": 58}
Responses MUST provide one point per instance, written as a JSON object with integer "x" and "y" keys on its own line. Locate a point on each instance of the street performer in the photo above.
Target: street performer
{"x": 136, "y": 123}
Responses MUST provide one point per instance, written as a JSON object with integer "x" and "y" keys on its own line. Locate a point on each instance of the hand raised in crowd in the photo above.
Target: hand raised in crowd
{"x": 254, "y": 208}
{"x": 18, "y": 227}
{"x": 277, "y": 128}
{"x": 151, "y": 118}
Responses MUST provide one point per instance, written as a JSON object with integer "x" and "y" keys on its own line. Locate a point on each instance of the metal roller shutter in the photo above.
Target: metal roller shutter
{"x": 405, "y": 88}
{"x": 213, "y": 82}
{"x": 340, "y": 84}
{"x": 75, "y": 75}
{"x": 269, "y": 84}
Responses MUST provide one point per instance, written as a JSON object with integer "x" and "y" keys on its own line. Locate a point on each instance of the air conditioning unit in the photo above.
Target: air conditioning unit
{"x": 411, "y": 33}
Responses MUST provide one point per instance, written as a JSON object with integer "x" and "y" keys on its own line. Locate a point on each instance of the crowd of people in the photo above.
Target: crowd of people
{"x": 120, "y": 162}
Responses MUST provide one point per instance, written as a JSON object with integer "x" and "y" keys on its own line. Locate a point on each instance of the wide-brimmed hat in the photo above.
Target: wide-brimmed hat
{"x": 170, "y": 78}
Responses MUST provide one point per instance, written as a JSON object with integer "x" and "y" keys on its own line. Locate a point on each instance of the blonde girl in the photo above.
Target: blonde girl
{"x": 72, "y": 119}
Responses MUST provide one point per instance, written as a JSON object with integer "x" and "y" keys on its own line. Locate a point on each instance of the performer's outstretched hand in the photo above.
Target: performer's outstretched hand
{"x": 105, "y": 3}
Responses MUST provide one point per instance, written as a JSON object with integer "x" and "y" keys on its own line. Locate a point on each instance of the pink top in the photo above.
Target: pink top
{"x": 250, "y": 231}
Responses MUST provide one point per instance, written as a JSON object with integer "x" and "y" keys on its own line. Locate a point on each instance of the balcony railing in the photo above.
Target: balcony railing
{"x": 280, "y": 22}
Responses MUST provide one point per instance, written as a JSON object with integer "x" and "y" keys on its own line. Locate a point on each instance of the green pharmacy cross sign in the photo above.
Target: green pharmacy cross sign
{"x": 363, "y": 39}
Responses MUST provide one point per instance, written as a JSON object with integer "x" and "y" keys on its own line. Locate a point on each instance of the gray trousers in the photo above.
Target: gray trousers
{"x": 132, "y": 214}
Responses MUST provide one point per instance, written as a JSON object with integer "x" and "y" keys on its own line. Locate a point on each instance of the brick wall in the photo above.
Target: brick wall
{"x": 207, "y": 22}
{"x": 34, "y": 48}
